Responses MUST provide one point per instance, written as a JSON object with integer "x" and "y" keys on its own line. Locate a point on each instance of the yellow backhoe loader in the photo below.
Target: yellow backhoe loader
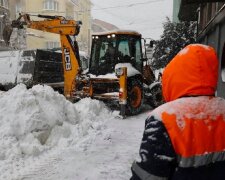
{"x": 118, "y": 69}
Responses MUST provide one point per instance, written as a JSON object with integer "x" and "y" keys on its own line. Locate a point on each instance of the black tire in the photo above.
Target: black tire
{"x": 157, "y": 98}
{"x": 134, "y": 96}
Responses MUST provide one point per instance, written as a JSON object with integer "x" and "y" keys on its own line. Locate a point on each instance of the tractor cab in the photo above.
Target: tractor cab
{"x": 111, "y": 48}
{"x": 119, "y": 51}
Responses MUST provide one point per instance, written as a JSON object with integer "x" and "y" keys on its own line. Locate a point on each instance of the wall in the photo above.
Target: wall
{"x": 67, "y": 8}
{"x": 214, "y": 36}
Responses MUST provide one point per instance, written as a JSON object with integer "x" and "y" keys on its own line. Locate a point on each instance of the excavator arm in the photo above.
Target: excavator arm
{"x": 70, "y": 52}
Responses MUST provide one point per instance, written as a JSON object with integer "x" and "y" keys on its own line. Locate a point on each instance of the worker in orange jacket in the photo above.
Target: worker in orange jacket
{"x": 184, "y": 139}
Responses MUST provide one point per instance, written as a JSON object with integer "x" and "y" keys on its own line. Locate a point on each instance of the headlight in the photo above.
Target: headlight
{"x": 119, "y": 71}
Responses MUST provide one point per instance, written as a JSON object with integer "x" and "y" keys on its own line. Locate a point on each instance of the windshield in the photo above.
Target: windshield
{"x": 103, "y": 55}
{"x": 107, "y": 52}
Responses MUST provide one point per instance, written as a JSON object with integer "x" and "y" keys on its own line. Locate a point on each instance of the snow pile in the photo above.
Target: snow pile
{"x": 35, "y": 120}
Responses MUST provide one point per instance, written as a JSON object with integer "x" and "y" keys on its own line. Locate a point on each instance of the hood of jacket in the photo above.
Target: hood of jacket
{"x": 192, "y": 72}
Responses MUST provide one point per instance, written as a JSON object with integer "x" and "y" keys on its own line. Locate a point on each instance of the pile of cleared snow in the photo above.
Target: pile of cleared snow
{"x": 38, "y": 119}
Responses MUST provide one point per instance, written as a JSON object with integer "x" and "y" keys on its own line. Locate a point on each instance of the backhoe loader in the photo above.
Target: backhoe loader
{"x": 118, "y": 71}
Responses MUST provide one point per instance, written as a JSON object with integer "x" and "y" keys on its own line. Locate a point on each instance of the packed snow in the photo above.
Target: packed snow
{"x": 44, "y": 136}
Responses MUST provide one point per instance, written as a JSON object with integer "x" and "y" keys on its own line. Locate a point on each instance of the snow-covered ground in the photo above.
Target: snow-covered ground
{"x": 44, "y": 136}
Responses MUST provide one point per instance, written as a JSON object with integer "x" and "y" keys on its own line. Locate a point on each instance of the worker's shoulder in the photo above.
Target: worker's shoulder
{"x": 189, "y": 105}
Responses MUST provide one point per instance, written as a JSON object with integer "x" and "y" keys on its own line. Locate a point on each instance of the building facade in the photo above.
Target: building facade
{"x": 210, "y": 15}
{"x": 71, "y": 9}
{"x": 4, "y": 17}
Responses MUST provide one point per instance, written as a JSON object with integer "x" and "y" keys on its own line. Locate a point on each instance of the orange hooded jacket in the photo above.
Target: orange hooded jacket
{"x": 195, "y": 124}
{"x": 193, "y": 71}
{"x": 184, "y": 139}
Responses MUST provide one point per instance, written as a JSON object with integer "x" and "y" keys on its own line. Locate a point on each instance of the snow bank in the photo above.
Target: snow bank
{"x": 35, "y": 120}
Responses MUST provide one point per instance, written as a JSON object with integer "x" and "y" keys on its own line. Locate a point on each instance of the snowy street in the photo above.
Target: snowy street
{"x": 43, "y": 136}
{"x": 110, "y": 155}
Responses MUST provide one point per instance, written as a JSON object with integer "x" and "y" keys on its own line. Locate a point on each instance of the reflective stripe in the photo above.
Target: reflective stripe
{"x": 144, "y": 175}
{"x": 201, "y": 160}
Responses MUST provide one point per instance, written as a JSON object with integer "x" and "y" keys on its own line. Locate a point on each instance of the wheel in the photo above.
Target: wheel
{"x": 157, "y": 98}
{"x": 134, "y": 96}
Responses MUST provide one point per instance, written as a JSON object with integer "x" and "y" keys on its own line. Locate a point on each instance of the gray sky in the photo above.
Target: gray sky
{"x": 144, "y": 16}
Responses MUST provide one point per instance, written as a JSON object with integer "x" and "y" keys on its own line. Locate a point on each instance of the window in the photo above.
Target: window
{"x": 52, "y": 44}
{"x": 138, "y": 54}
{"x": 18, "y": 8}
{"x": 124, "y": 48}
{"x": 51, "y": 5}
{"x": 100, "y": 58}
{"x": 4, "y": 3}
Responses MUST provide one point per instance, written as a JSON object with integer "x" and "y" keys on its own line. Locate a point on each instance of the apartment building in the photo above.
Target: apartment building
{"x": 71, "y": 9}
{"x": 4, "y": 16}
